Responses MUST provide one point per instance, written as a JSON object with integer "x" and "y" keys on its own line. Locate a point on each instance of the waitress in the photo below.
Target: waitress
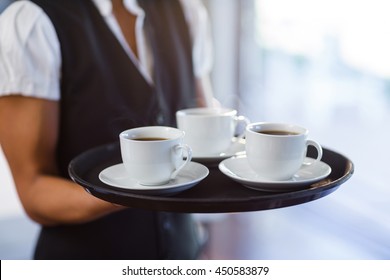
{"x": 73, "y": 75}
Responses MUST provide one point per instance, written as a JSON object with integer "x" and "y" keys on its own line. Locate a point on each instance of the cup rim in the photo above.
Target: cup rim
{"x": 151, "y": 131}
{"x": 202, "y": 112}
{"x": 250, "y": 128}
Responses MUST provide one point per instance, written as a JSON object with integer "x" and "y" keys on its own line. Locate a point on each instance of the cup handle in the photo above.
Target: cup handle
{"x": 245, "y": 121}
{"x": 178, "y": 149}
{"x": 318, "y": 148}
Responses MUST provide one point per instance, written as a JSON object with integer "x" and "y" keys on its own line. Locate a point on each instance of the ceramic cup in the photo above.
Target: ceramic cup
{"x": 209, "y": 131}
{"x": 276, "y": 151}
{"x": 153, "y": 155}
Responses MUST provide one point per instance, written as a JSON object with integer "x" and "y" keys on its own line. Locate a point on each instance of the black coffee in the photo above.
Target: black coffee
{"x": 277, "y": 132}
{"x": 150, "y": 139}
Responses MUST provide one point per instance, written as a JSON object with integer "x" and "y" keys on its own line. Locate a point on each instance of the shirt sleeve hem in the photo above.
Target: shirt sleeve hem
{"x": 29, "y": 90}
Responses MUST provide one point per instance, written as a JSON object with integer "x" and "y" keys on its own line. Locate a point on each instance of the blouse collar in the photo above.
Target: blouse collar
{"x": 105, "y": 7}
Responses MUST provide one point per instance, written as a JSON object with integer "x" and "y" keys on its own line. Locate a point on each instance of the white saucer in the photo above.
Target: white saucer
{"x": 236, "y": 148}
{"x": 237, "y": 168}
{"x": 191, "y": 174}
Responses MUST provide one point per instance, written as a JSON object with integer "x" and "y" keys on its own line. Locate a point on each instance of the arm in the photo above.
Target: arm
{"x": 28, "y": 136}
{"x": 204, "y": 93}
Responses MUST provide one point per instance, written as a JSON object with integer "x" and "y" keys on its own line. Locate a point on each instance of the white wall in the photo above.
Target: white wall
{"x": 10, "y": 205}
{"x": 17, "y": 232}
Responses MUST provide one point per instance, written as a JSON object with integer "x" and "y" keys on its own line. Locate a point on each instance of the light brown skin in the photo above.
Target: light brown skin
{"x": 28, "y": 137}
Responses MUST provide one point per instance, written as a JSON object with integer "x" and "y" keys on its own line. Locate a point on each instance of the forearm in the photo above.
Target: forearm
{"x": 28, "y": 135}
{"x": 53, "y": 200}
{"x": 204, "y": 93}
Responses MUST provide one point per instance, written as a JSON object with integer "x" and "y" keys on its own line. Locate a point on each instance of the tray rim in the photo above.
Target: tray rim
{"x": 202, "y": 205}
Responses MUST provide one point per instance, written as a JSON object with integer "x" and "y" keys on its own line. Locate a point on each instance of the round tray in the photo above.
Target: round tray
{"x": 217, "y": 193}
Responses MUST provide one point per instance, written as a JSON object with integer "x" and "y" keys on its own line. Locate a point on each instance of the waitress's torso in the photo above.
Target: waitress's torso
{"x": 104, "y": 92}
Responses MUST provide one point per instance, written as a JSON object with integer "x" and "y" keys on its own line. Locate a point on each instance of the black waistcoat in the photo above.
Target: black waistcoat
{"x": 103, "y": 93}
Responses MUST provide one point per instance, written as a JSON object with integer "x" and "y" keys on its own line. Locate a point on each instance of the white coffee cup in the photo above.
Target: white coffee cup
{"x": 276, "y": 151}
{"x": 153, "y": 155}
{"x": 209, "y": 131}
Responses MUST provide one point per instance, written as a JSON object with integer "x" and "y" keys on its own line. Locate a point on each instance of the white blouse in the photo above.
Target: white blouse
{"x": 30, "y": 58}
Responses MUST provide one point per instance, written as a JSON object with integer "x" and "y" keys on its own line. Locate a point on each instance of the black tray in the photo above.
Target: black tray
{"x": 217, "y": 193}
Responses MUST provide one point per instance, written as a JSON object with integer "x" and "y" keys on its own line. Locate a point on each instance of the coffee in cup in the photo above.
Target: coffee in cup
{"x": 154, "y": 155}
{"x": 209, "y": 131}
{"x": 276, "y": 151}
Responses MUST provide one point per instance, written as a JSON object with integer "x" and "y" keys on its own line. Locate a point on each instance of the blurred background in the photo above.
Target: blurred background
{"x": 324, "y": 64}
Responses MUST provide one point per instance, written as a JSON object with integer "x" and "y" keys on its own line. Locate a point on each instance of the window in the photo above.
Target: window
{"x": 326, "y": 65}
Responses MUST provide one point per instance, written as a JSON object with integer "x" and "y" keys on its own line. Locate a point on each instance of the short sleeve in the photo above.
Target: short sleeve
{"x": 29, "y": 52}
{"x": 197, "y": 18}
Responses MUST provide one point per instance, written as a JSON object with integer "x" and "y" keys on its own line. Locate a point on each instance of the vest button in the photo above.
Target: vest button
{"x": 167, "y": 225}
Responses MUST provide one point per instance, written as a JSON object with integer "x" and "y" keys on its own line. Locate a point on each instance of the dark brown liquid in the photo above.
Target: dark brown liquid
{"x": 277, "y": 132}
{"x": 150, "y": 139}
